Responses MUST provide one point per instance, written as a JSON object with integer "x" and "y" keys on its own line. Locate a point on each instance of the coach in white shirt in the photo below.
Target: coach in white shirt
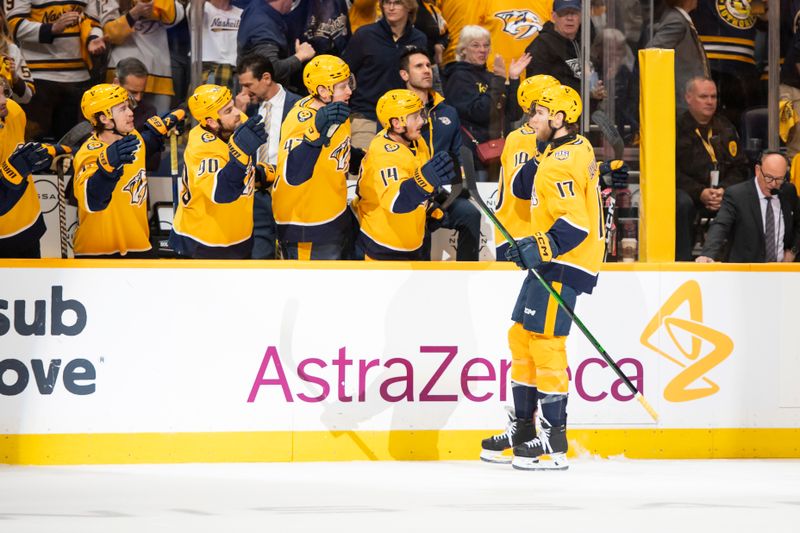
{"x": 261, "y": 94}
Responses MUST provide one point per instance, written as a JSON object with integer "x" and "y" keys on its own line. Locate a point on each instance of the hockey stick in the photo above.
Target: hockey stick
{"x": 469, "y": 171}
{"x": 62, "y": 158}
{"x": 611, "y": 134}
{"x": 173, "y": 167}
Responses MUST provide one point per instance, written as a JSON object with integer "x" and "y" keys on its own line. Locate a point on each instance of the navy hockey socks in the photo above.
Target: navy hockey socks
{"x": 525, "y": 398}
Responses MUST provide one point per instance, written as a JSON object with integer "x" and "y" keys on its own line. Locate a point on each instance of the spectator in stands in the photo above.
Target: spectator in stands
{"x": 373, "y": 55}
{"x": 728, "y": 31}
{"x": 709, "y": 159}
{"x": 431, "y": 22}
{"x": 676, "y": 31}
{"x": 20, "y": 79}
{"x": 514, "y": 25}
{"x": 614, "y": 59}
{"x": 140, "y": 30}
{"x": 757, "y": 229}
{"x": 180, "y": 41}
{"x": 790, "y": 88}
{"x": 326, "y": 26}
{"x": 486, "y": 101}
{"x": 263, "y": 95}
{"x": 220, "y": 27}
{"x": 131, "y": 75}
{"x": 557, "y": 49}
{"x": 57, "y": 53}
{"x": 443, "y": 134}
{"x": 264, "y": 31}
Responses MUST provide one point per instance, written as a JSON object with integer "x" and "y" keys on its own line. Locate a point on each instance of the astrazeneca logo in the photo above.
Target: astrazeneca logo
{"x": 694, "y": 347}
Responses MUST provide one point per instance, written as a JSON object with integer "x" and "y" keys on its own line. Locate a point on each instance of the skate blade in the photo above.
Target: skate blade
{"x": 490, "y": 456}
{"x": 553, "y": 462}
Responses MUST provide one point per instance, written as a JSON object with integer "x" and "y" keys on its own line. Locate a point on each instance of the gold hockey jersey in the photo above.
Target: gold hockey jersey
{"x": 385, "y": 167}
{"x": 25, "y": 212}
{"x": 566, "y": 204}
{"x": 203, "y": 215}
{"x": 120, "y": 226}
{"x": 514, "y": 211}
{"x": 310, "y": 207}
{"x": 513, "y": 24}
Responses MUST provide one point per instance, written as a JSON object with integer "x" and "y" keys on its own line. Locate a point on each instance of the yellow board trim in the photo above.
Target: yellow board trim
{"x": 479, "y": 266}
{"x": 302, "y": 446}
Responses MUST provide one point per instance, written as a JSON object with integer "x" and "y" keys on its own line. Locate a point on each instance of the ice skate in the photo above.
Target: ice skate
{"x": 517, "y": 432}
{"x": 547, "y": 451}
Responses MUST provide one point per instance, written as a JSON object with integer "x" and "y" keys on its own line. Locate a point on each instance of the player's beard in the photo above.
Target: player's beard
{"x": 225, "y": 133}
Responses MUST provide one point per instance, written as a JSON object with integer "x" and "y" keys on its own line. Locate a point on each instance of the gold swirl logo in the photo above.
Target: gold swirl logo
{"x": 706, "y": 347}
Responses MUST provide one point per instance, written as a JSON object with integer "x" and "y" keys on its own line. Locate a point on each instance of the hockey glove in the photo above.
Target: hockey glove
{"x": 435, "y": 173}
{"x": 265, "y": 176}
{"x": 25, "y": 160}
{"x": 161, "y": 125}
{"x": 531, "y": 252}
{"x": 618, "y": 172}
{"x": 328, "y": 118}
{"x": 246, "y": 139}
{"x": 118, "y": 153}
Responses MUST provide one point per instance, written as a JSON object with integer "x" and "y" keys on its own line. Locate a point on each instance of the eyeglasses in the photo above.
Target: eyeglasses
{"x": 772, "y": 179}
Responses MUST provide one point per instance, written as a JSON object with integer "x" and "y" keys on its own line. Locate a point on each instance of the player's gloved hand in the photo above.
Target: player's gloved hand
{"x": 436, "y": 216}
{"x": 435, "y": 173}
{"x": 25, "y": 160}
{"x": 53, "y": 151}
{"x": 614, "y": 173}
{"x": 328, "y": 116}
{"x": 118, "y": 153}
{"x": 265, "y": 176}
{"x": 247, "y": 138}
{"x": 531, "y": 252}
{"x": 161, "y": 125}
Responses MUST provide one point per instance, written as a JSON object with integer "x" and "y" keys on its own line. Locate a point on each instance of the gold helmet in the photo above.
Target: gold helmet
{"x": 325, "y": 71}
{"x": 207, "y": 100}
{"x": 397, "y": 103}
{"x": 100, "y": 99}
{"x": 562, "y": 99}
{"x": 530, "y": 90}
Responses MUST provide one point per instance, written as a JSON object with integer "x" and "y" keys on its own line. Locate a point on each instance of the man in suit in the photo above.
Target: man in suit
{"x": 759, "y": 229}
{"x": 263, "y": 95}
{"x": 676, "y": 31}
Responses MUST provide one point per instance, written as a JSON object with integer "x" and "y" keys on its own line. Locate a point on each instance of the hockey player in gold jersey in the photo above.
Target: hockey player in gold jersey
{"x": 309, "y": 197}
{"x": 215, "y": 212}
{"x": 110, "y": 180}
{"x": 519, "y": 162}
{"x": 565, "y": 245}
{"x": 21, "y": 221}
{"x": 397, "y": 179}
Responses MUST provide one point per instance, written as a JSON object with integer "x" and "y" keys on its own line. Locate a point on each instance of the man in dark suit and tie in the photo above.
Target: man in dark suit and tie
{"x": 758, "y": 217}
{"x": 262, "y": 94}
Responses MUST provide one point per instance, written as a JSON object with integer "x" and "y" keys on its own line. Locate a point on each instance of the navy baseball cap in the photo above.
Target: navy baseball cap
{"x": 560, "y": 5}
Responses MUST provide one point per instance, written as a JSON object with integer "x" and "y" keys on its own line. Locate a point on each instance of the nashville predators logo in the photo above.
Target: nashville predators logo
{"x": 341, "y": 154}
{"x": 520, "y": 23}
{"x": 137, "y": 188}
{"x": 733, "y": 148}
{"x": 736, "y": 13}
{"x": 695, "y": 347}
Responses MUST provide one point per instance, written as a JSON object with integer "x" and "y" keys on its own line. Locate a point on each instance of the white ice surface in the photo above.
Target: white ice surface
{"x": 593, "y": 496}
